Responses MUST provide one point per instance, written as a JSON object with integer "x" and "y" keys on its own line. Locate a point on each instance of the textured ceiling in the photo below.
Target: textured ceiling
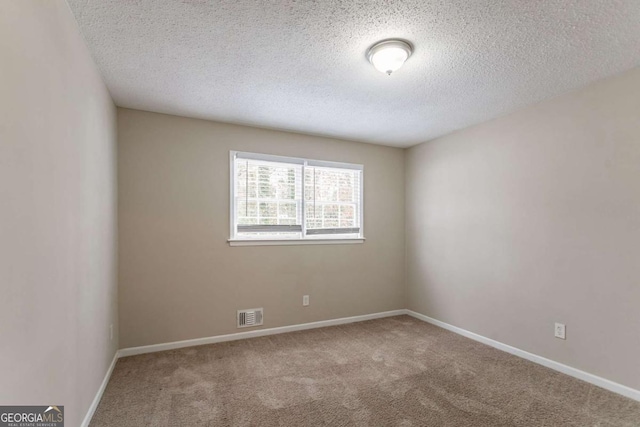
{"x": 301, "y": 66}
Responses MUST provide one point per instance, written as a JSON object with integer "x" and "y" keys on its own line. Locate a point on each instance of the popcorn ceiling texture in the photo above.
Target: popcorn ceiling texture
{"x": 301, "y": 66}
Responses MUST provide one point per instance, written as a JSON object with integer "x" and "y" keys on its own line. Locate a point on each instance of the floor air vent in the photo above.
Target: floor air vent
{"x": 251, "y": 317}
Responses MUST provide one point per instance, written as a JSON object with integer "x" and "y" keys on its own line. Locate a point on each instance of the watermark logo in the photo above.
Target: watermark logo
{"x": 32, "y": 416}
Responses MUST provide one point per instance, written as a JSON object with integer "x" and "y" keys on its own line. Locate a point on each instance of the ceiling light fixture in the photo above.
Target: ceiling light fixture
{"x": 389, "y": 55}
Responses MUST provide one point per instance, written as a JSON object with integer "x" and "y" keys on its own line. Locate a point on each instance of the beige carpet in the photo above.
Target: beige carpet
{"x": 396, "y": 371}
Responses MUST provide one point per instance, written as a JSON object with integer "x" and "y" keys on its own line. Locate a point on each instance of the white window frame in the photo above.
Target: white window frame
{"x": 235, "y": 241}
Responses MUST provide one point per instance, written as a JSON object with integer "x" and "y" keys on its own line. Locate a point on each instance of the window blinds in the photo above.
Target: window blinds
{"x": 283, "y": 198}
{"x": 267, "y": 197}
{"x": 332, "y": 197}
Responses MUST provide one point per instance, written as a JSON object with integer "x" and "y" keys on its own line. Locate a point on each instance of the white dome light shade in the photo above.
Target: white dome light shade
{"x": 389, "y": 55}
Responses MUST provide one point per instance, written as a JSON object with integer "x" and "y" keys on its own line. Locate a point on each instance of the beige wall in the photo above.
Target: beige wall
{"x": 532, "y": 219}
{"x": 58, "y": 213}
{"x": 180, "y": 279}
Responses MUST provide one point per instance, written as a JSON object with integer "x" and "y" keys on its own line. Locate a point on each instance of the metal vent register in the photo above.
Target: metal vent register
{"x": 250, "y": 317}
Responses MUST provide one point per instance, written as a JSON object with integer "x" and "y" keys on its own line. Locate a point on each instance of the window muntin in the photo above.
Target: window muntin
{"x": 281, "y": 198}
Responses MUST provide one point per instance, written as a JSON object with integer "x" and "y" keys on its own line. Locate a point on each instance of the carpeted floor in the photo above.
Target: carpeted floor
{"x": 396, "y": 371}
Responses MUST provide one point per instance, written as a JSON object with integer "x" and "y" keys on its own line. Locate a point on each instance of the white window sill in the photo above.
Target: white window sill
{"x": 285, "y": 242}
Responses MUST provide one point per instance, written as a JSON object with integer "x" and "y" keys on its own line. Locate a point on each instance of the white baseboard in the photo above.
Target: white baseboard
{"x": 103, "y": 386}
{"x": 132, "y": 351}
{"x": 556, "y": 366}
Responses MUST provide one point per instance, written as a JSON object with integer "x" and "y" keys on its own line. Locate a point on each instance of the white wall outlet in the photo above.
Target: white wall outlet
{"x": 111, "y": 332}
{"x": 560, "y": 331}
{"x": 305, "y": 300}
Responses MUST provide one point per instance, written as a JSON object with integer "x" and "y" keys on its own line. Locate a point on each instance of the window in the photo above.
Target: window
{"x": 285, "y": 200}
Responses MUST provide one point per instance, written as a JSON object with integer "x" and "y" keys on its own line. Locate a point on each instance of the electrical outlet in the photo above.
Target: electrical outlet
{"x": 305, "y": 300}
{"x": 111, "y": 332}
{"x": 561, "y": 331}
